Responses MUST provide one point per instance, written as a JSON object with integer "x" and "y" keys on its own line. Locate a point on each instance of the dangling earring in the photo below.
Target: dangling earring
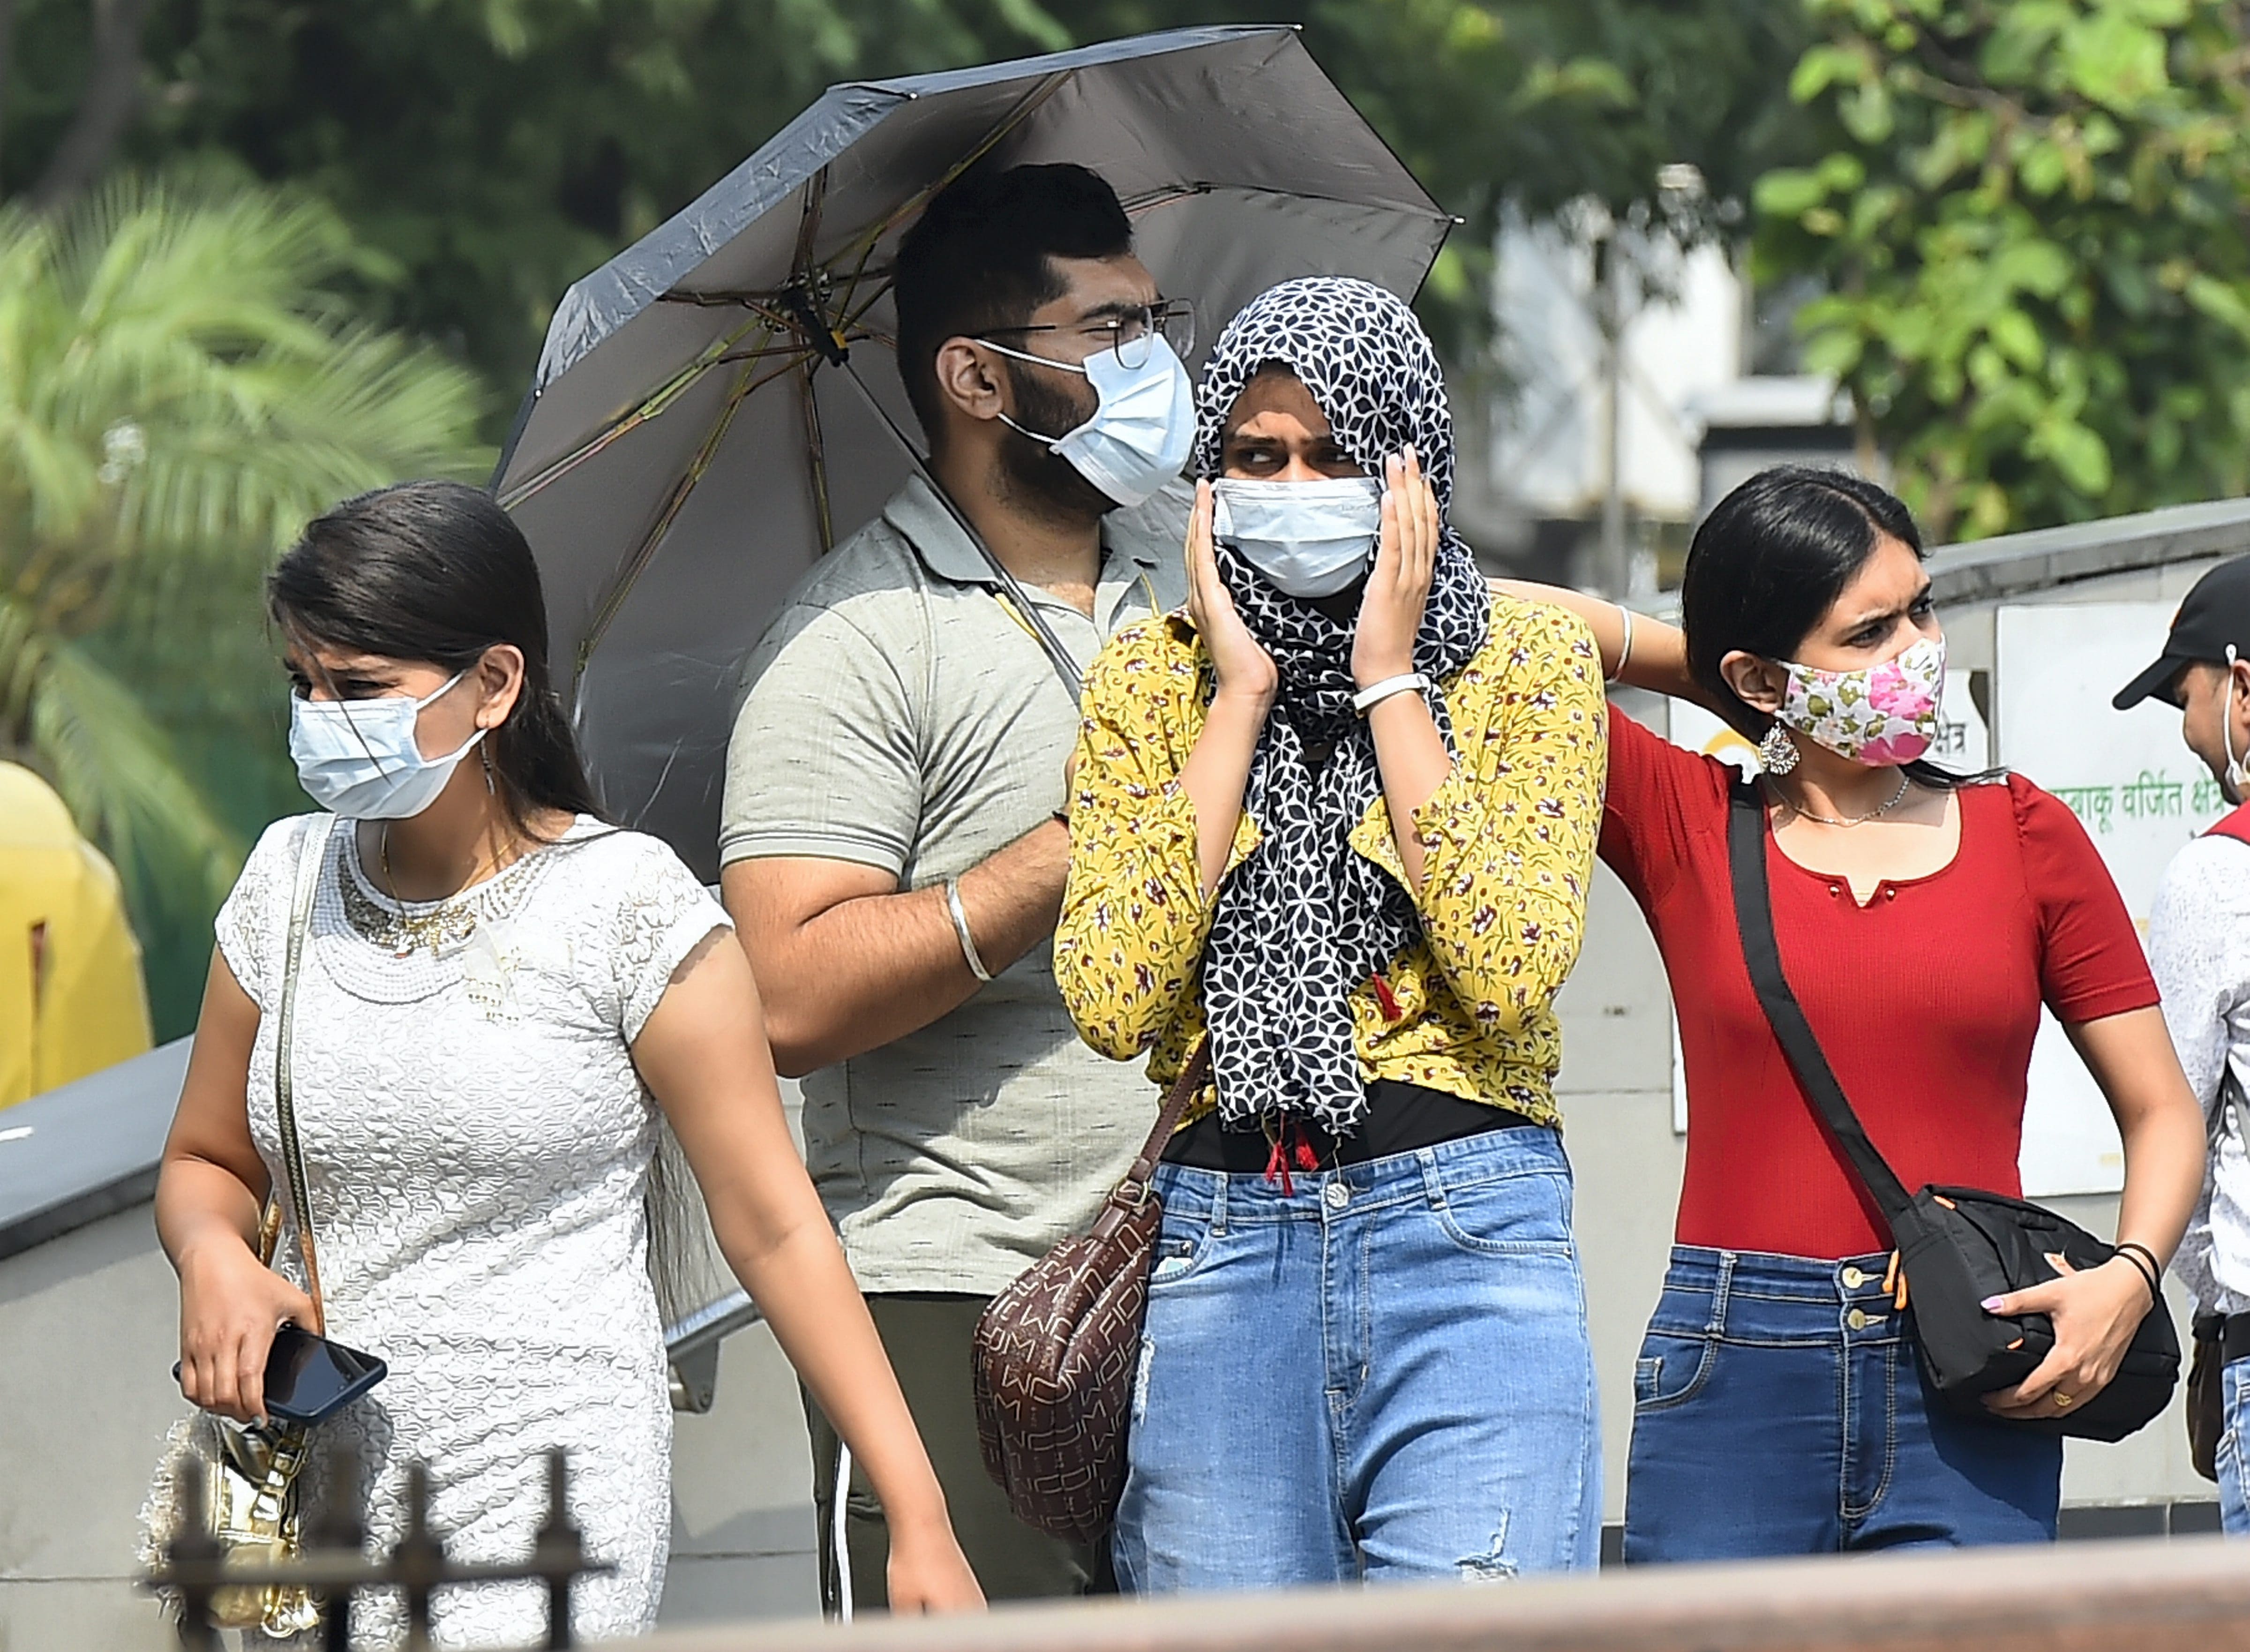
{"x": 1776, "y": 751}
{"x": 485, "y": 754}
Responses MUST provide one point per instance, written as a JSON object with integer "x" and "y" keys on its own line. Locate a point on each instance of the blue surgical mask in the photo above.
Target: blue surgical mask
{"x": 360, "y": 759}
{"x": 1143, "y": 423}
{"x": 1308, "y": 539}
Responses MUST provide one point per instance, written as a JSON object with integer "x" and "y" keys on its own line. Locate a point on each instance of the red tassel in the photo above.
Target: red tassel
{"x": 1307, "y": 1160}
{"x": 1277, "y": 1170}
{"x": 1384, "y": 997}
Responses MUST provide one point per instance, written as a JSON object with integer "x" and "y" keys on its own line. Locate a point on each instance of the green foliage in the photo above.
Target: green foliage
{"x": 484, "y": 154}
{"x": 494, "y": 150}
{"x": 179, "y": 390}
{"x": 2031, "y": 222}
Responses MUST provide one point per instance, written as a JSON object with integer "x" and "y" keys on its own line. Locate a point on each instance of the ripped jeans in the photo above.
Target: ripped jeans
{"x": 1381, "y": 1373}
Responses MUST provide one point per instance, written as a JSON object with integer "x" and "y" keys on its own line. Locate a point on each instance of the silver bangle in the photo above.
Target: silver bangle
{"x": 1624, "y": 648}
{"x": 1368, "y": 697}
{"x": 961, "y": 932}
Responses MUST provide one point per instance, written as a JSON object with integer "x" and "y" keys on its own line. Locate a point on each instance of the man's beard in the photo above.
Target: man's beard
{"x": 1046, "y": 482}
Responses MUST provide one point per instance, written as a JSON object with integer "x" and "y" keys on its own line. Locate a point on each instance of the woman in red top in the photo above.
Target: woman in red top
{"x": 1923, "y": 920}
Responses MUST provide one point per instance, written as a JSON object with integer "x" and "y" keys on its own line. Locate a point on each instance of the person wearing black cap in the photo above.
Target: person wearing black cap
{"x": 2199, "y": 951}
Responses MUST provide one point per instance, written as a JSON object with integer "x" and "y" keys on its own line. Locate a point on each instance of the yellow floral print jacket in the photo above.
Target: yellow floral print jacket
{"x": 1508, "y": 850}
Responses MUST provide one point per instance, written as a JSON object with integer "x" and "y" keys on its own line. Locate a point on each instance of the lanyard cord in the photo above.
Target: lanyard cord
{"x": 1026, "y": 615}
{"x": 1148, "y": 590}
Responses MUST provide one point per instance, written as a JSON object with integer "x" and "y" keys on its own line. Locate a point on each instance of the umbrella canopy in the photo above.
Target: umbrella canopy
{"x": 720, "y": 405}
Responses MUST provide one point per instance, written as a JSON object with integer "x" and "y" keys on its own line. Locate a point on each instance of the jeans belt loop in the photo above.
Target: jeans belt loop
{"x": 1434, "y": 1178}
{"x": 1218, "y": 1203}
{"x": 1719, "y": 1293}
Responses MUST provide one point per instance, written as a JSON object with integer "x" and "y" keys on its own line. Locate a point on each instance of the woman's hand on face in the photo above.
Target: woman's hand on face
{"x": 927, "y": 1573}
{"x": 1398, "y": 589}
{"x": 1244, "y": 668}
{"x": 2095, "y": 1311}
{"x": 230, "y": 1304}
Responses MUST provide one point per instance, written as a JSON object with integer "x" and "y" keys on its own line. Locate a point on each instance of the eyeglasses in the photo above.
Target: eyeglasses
{"x": 1129, "y": 331}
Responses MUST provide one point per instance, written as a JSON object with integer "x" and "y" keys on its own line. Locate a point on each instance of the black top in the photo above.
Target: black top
{"x": 1400, "y": 1118}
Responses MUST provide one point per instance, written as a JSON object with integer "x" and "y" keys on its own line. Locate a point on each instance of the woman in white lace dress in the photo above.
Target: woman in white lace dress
{"x": 497, "y": 995}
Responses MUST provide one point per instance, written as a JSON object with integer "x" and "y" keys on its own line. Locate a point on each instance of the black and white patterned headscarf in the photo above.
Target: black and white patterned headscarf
{"x": 1306, "y": 919}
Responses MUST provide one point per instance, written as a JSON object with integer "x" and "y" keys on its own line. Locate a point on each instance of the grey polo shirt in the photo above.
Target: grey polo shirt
{"x": 900, "y": 717}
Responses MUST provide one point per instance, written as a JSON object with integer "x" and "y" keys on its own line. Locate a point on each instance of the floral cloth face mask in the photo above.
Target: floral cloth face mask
{"x": 1881, "y": 716}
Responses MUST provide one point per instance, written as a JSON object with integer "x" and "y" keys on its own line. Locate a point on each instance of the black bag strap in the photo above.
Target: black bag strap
{"x": 1746, "y": 867}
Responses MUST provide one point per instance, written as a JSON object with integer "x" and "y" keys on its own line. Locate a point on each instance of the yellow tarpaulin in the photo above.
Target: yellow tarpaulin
{"x": 72, "y": 1000}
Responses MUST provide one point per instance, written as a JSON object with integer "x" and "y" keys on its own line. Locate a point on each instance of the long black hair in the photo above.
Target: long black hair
{"x": 1770, "y": 560}
{"x": 437, "y": 571}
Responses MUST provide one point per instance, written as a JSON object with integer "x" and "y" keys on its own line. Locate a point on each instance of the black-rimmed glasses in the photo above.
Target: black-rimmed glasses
{"x": 1129, "y": 331}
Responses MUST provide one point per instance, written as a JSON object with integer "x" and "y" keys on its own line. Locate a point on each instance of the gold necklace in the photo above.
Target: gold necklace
{"x": 1802, "y": 812}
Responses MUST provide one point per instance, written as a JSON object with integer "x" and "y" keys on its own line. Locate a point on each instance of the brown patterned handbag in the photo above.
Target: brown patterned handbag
{"x": 1056, "y": 1352}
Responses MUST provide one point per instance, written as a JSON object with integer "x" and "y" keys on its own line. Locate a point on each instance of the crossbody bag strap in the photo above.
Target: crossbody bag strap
{"x": 1185, "y": 1090}
{"x": 285, "y": 1101}
{"x": 1746, "y": 867}
{"x": 1132, "y": 1194}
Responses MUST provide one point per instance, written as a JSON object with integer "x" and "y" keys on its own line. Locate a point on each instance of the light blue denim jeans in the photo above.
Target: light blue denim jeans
{"x": 1383, "y": 1374}
{"x": 2233, "y": 1473}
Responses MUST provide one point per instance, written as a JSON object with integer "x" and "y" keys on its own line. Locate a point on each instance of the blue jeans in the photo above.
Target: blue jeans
{"x": 1778, "y": 1408}
{"x": 1381, "y": 1374}
{"x": 2233, "y": 1473}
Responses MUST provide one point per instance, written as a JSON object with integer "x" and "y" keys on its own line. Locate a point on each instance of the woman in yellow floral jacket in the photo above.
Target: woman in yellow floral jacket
{"x": 1340, "y": 816}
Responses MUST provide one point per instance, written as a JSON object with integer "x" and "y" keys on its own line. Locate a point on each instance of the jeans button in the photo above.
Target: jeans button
{"x": 1337, "y": 1196}
{"x": 1857, "y": 1320}
{"x": 1854, "y": 1278}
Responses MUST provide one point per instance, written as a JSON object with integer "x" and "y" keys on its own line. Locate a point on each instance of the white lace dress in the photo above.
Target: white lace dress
{"x": 477, "y": 1143}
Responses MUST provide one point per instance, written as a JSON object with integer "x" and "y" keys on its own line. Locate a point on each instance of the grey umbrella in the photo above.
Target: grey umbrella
{"x": 720, "y": 405}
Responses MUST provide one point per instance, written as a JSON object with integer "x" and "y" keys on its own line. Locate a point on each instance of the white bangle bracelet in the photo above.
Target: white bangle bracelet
{"x": 1624, "y": 648}
{"x": 961, "y": 932}
{"x": 1367, "y": 698}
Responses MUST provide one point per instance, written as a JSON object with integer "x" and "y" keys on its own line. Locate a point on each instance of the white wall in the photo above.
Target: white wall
{"x": 1549, "y": 438}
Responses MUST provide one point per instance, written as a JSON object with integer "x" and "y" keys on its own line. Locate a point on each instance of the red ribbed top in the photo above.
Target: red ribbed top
{"x": 1925, "y": 1001}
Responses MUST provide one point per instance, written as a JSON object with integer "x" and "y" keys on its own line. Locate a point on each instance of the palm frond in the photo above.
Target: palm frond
{"x": 113, "y": 767}
{"x": 180, "y": 388}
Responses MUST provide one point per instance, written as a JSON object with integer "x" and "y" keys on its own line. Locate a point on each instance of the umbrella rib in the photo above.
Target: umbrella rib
{"x": 1177, "y": 192}
{"x": 629, "y": 572}
{"x": 661, "y": 398}
{"x": 1032, "y": 102}
{"x": 757, "y": 303}
{"x": 808, "y": 221}
{"x": 818, "y": 452}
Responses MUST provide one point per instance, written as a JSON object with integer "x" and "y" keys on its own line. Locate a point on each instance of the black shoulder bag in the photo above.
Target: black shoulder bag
{"x": 1956, "y": 1246}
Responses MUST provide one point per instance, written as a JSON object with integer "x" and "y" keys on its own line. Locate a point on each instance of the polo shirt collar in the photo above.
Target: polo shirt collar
{"x": 925, "y": 521}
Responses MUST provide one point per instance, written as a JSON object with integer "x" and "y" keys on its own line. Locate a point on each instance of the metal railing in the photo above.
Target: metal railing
{"x": 691, "y": 1346}
{"x": 333, "y": 1565}
{"x": 2190, "y": 1594}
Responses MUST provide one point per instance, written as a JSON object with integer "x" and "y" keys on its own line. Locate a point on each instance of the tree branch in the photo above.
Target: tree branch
{"x": 106, "y": 108}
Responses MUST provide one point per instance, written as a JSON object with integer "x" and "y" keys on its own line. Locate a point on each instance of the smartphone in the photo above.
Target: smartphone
{"x": 309, "y": 1379}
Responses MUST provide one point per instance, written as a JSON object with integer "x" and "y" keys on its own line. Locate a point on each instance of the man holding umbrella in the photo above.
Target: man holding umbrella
{"x": 892, "y": 839}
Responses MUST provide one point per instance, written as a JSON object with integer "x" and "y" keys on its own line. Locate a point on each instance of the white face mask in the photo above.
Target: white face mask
{"x": 2231, "y": 782}
{"x": 1308, "y": 539}
{"x": 1144, "y": 421}
{"x": 359, "y": 759}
